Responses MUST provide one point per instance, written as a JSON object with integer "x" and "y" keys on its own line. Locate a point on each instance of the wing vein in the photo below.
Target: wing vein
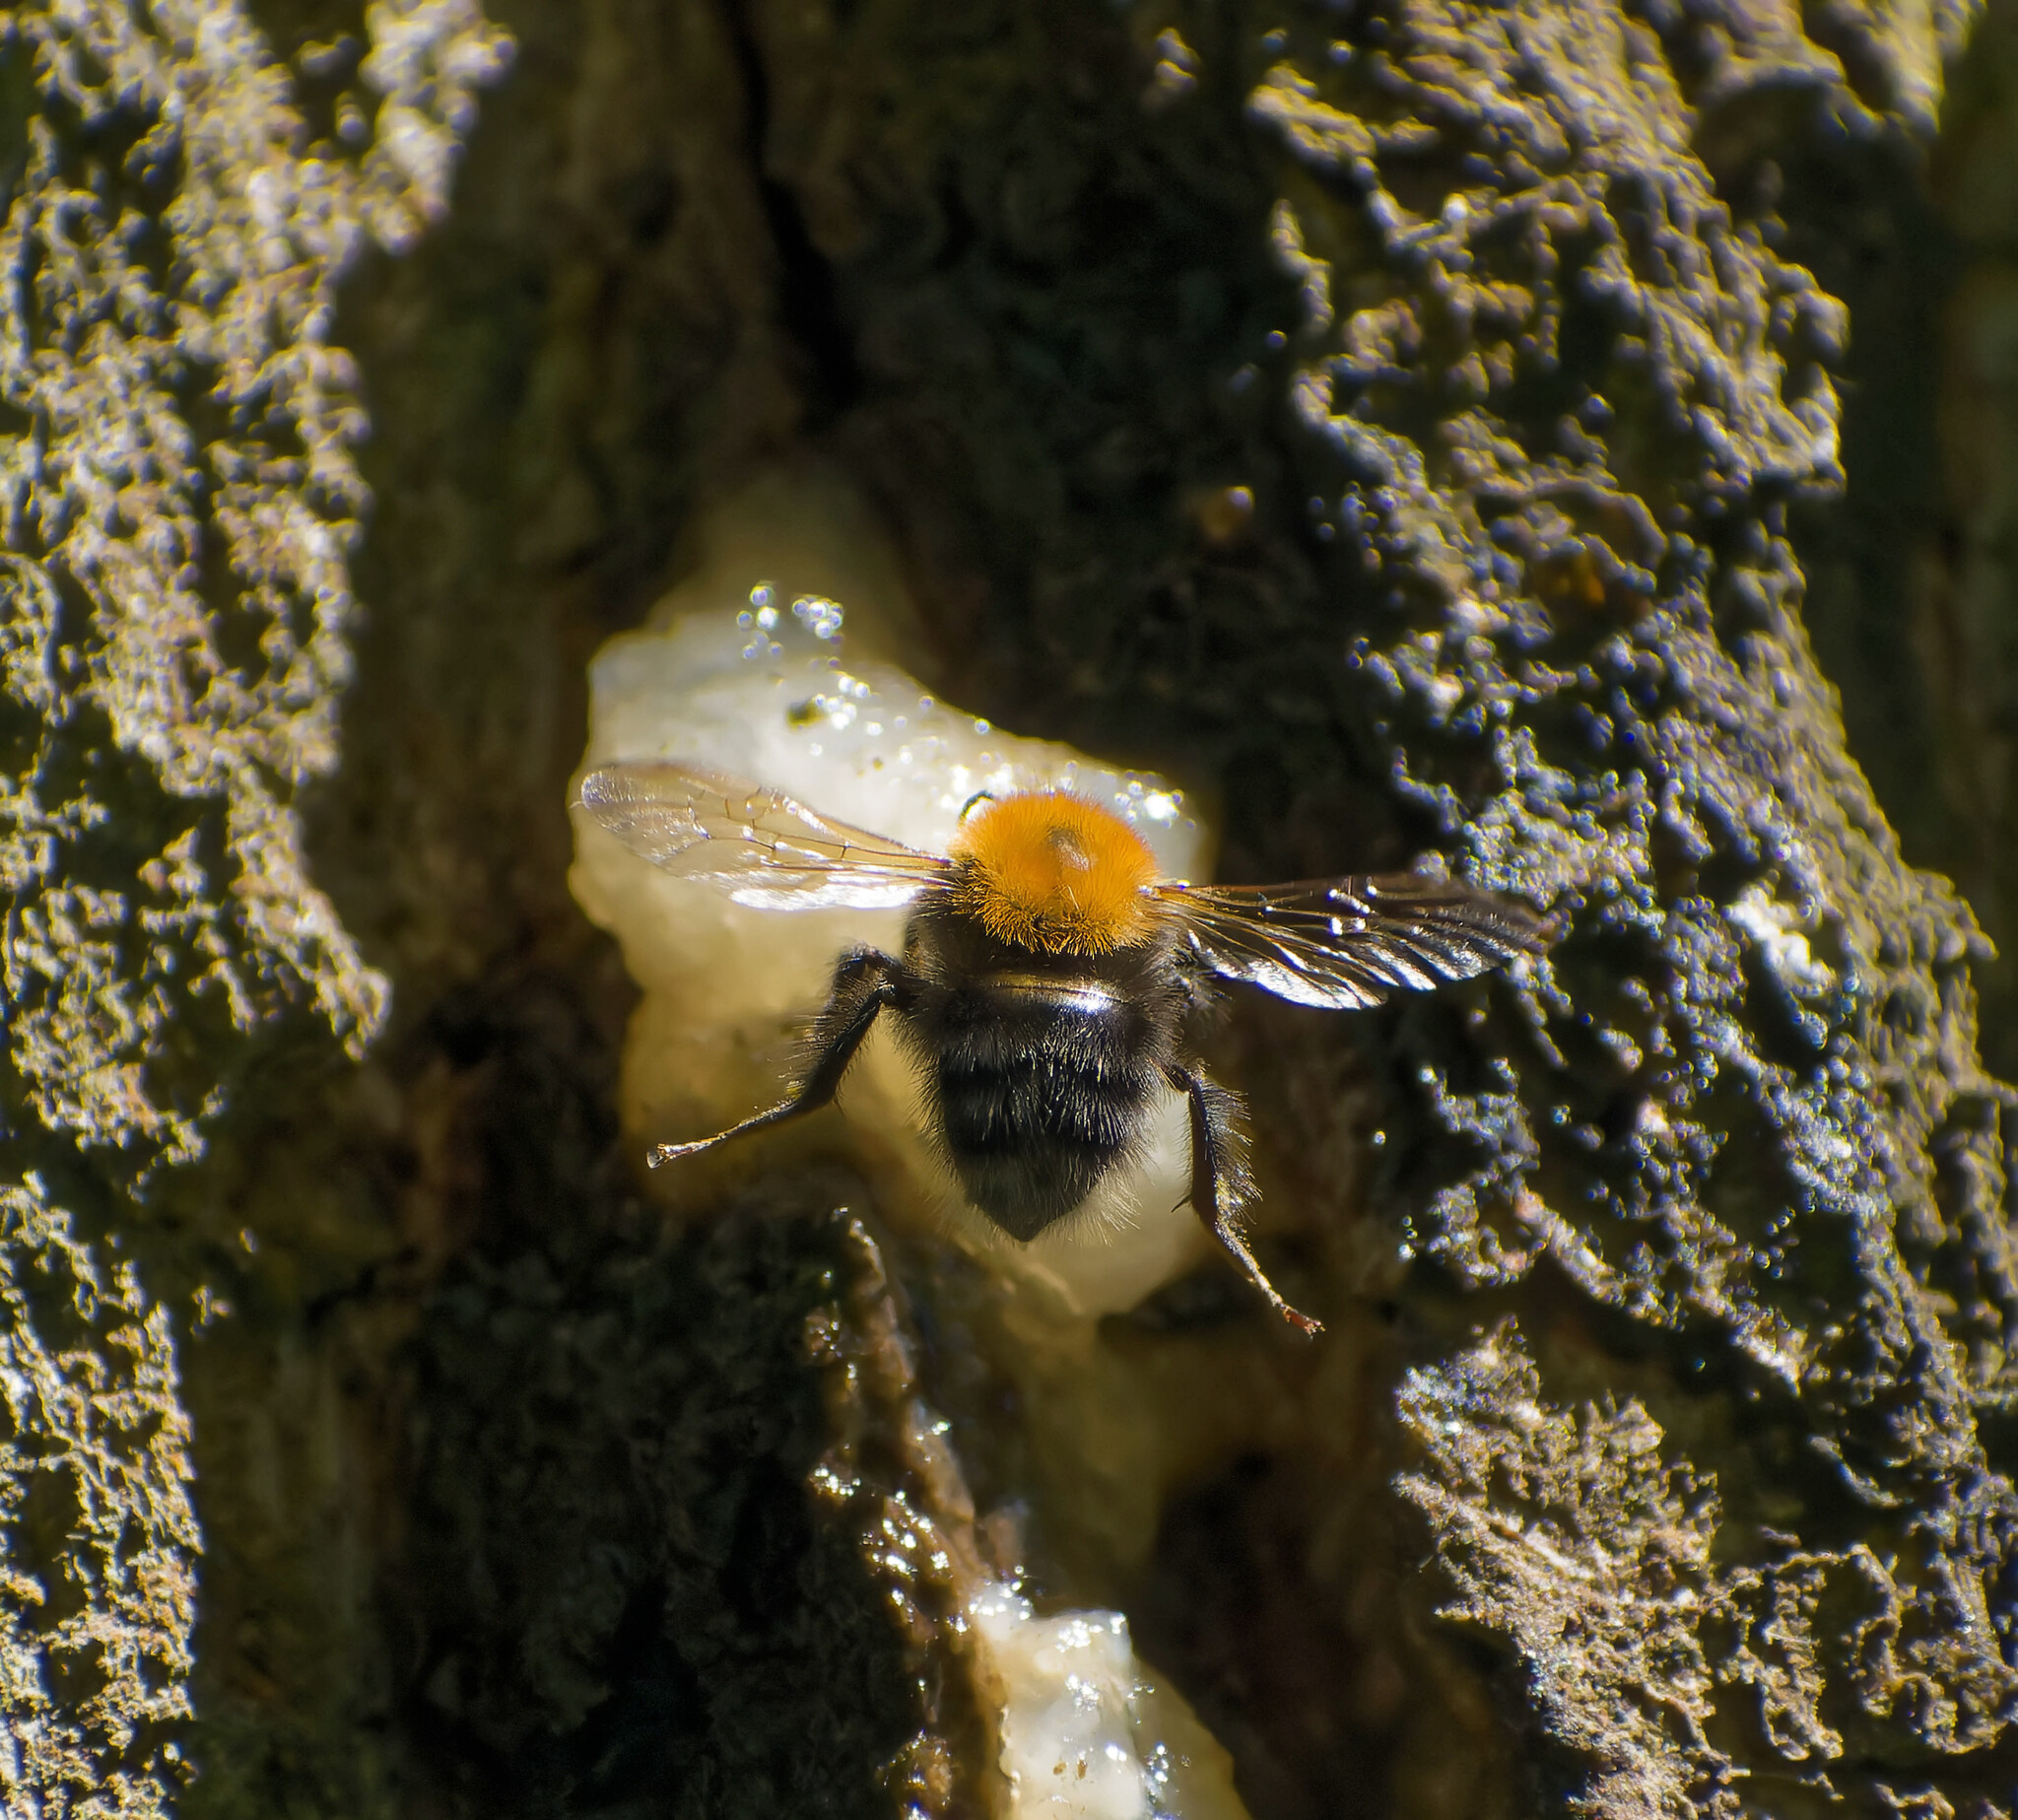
{"x": 765, "y": 849}
{"x": 1350, "y": 942}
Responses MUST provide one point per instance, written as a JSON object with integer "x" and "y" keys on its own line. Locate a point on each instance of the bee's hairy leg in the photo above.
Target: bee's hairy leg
{"x": 1220, "y": 1183}
{"x": 865, "y": 982}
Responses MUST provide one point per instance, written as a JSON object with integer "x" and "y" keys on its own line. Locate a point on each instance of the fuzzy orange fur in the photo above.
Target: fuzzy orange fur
{"x": 1054, "y": 873}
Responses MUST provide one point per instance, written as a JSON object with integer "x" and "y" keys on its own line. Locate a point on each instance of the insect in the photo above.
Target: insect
{"x": 1050, "y": 974}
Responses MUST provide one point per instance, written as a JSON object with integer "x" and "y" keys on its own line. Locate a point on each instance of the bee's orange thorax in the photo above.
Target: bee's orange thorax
{"x": 1054, "y": 873}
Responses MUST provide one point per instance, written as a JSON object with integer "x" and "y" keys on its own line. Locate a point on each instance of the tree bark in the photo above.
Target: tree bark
{"x": 1405, "y": 423}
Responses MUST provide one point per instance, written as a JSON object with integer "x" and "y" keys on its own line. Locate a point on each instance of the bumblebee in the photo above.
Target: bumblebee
{"x": 1050, "y": 974}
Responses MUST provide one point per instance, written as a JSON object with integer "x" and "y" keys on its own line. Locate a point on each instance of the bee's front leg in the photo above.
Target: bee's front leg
{"x": 1220, "y": 1184}
{"x": 864, "y": 983}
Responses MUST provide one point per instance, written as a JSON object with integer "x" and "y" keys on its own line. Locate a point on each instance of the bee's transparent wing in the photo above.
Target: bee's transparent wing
{"x": 1346, "y": 943}
{"x": 755, "y": 843}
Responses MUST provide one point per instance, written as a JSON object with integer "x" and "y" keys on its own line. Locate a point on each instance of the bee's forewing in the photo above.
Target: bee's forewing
{"x": 1346, "y": 943}
{"x": 757, "y": 844}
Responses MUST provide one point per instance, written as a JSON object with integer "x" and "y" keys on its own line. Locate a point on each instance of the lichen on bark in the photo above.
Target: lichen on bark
{"x": 1574, "y": 1539}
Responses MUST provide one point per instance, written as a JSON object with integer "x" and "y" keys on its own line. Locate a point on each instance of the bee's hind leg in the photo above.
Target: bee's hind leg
{"x": 864, "y": 984}
{"x": 1220, "y": 1183}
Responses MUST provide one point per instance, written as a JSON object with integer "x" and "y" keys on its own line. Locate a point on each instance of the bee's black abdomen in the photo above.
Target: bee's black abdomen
{"x": 1040, "y": 1094}
{"x": 1030, "y": 1143}
{"x": 1043, "y": 1069}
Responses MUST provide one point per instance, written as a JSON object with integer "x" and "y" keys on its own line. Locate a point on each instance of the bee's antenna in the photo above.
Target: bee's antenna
{"x": 967, "y": 808}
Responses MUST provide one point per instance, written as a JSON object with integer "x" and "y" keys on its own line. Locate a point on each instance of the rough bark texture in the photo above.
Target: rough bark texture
{"x": 179, "y": 502}
{"x": 1668, "y": 1295}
